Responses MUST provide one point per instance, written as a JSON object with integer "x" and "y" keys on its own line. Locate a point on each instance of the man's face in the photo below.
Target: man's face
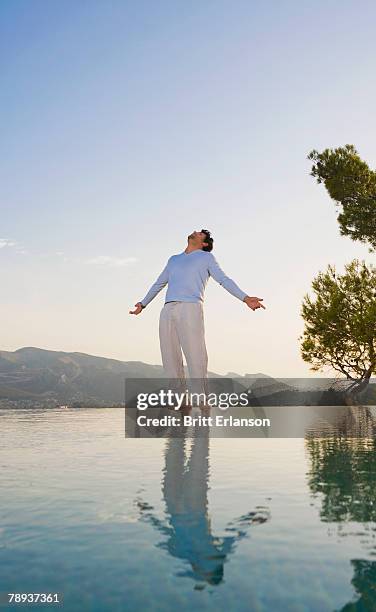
{"x": 197, "y": 239}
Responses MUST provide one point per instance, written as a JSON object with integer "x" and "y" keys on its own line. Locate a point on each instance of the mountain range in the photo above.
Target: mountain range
{"x": 36, "y": 377}
{"x": 45, "y": 377}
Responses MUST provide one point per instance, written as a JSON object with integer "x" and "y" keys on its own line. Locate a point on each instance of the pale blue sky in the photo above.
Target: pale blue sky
{"x": 126, "y": 125}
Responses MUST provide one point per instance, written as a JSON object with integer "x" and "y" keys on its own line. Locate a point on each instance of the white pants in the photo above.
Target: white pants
{"x": 181, "y": 328}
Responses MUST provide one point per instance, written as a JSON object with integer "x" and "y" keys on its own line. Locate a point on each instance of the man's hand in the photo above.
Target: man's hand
{"x": 254, "y": 302}
{"x": 139, "y": 308}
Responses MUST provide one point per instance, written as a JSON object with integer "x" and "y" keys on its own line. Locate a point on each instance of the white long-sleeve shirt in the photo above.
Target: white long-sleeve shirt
{"x": 187, "y": 274}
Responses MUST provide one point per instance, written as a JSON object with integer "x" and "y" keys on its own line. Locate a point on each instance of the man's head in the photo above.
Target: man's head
{"x": 201, "y": 240}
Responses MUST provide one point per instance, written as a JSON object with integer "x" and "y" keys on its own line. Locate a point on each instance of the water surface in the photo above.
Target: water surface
{"x": 218, "y": 524}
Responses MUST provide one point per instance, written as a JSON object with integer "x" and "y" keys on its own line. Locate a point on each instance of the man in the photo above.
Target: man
{"x": 181, "y": 324}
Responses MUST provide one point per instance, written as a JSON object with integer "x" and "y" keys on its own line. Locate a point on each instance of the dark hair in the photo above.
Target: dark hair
{"x": 209, "y": 241}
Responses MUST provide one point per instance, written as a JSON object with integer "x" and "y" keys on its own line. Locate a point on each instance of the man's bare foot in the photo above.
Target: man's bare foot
{"x": 205, "y": 410}
{"x": 185, "y": 410}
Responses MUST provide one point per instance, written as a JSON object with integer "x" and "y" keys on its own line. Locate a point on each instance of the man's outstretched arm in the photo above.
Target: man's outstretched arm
{"x": 161, "y": 282}
{"x": 218, "y": 274}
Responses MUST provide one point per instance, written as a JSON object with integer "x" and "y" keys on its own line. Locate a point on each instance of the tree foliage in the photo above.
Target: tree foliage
{"x": 352, "y": 185}
{"x": 340, "y": 322}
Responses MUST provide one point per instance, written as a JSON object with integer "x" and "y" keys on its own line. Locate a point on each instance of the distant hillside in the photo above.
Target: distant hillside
{"x": 36, "y": 373}
{"x": 41, "y": 378}
{"x": 44, "y": 377}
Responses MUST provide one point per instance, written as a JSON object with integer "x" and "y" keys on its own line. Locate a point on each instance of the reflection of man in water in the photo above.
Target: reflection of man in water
{"x": 185, "y": 490}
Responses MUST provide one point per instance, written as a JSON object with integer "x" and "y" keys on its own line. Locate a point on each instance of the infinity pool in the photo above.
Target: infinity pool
{"x": 156, "y": 524}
